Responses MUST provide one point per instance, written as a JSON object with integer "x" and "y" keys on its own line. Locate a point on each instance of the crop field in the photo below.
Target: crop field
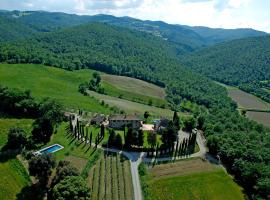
{"x": 13, "y": 179}
{"x": 136, "y": 86}
{"x": 260, "y": 117}
{"x": 110, "y": 178}
{"x": 7, "y": 123}
{"x": 248, "y": 101}
{"x": 190, "y": 180}
{"x": 131, "y": 107}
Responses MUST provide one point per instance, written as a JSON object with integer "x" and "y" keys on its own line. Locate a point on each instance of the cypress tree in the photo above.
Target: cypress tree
{"x": 102, "y": 130}
{"x": 91, "y": 135}
{"x": 70, "y": 124}
{"x": 140, "y": 138}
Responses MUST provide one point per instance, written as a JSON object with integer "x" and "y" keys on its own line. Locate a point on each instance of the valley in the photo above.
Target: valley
{"x": 104, "y": 107}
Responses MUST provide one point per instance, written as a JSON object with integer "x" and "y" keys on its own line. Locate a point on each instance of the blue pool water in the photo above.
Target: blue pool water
{"x": 51, "y": 149}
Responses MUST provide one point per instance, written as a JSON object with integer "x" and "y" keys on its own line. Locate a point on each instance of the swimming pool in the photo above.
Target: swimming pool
{"x": 51, "y": 149}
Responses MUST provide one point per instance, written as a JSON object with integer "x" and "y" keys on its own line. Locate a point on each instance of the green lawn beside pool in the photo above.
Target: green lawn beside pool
{"x": 72, "y": 146}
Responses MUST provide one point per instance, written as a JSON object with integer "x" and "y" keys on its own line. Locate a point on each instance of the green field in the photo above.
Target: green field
{"x": 110, "y": 178}
{"x": 51, "y": 82}
{"x": 190, "y": 179}
{"x": 13, "y": 179}
{"x": 134, "y": 90}
{"x": 6, "y": 124}
{"x": 132, "y": 107}
{"x": 63, "y": 85}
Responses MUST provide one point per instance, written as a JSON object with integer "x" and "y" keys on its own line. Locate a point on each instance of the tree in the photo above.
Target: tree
{"x": 91, "y": 136}
{"x": 41, "y": 167}
{"x": 42, "y": 130}
{"x": 102, "y": 130}
{"x": 176, "y": 120}
{"x": 71, "y": 187}
{"x": 83, "y": 88}
{"x": 16, "y": 138}
{"x": 146, "y": 115}
{"x": 111, "y": 138}
{"x": 152, "y": 139}
{"x": 189, "y": 123}
{"x": 213, "y": 144}
{"x": 118, "y": 141}
{"x": 140, "y": 138}
{"x": 129, "y": 138}
{"x": 169, "y": 135}
{"x": 63, "y": 170}
{"x": 51, "y": 114}
{"x": 200, "y": 120}
{"x": 51, "y": 110}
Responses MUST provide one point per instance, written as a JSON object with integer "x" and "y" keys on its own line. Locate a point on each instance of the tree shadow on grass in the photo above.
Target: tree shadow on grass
{"x": 31, "y": 192}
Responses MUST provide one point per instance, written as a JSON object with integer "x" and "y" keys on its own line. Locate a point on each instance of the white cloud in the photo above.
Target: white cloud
{"x": 214, "y": 13}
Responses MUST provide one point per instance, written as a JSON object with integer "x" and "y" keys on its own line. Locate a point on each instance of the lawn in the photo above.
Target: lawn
{"x": 51, "y": 82}
{"x": 7, "y": 123}
{"x": 110, "y": 178}
{"x": 190, "y": 180}
{"x": 13, "y": 178}
{"x": 72, "y": 146}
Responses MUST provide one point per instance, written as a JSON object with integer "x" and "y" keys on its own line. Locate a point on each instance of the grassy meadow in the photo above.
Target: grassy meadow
{"x": 51, "y": 82}
{"x": 63, "y": 85}
{"x": 134, "y": 90}
{"x": 131, "y": 107}
{"x": 191, "y": 180}
{"x": 13, "y": 179}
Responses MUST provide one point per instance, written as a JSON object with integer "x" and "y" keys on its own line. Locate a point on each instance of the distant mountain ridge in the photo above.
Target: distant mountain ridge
{"x": 185, "y": 38}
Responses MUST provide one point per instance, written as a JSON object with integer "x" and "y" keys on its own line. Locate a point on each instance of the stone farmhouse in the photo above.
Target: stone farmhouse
{"x": 120, "y": 121}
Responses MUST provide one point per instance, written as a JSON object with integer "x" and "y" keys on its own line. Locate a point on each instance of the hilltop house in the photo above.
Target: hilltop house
{"x": 120, "y": 121}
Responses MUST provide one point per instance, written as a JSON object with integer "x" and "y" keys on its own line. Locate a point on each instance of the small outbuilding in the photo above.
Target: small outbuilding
{"x": 97, "y": 119}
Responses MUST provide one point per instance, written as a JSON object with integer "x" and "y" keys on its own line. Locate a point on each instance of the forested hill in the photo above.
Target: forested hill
{"x": 11, "y": 30}
{"x": 119, "y": 51}
{"x": 244, "y": 63}
{"x": 185, "y": 38}
{"x": 217, "y": 35}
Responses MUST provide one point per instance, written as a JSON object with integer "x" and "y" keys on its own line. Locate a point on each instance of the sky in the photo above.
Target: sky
{"x": 212, "y": 13}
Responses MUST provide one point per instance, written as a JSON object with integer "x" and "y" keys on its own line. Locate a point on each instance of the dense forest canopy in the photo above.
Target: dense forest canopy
{"x": 244, "y": 63}
{"x": 11, "y": 30}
